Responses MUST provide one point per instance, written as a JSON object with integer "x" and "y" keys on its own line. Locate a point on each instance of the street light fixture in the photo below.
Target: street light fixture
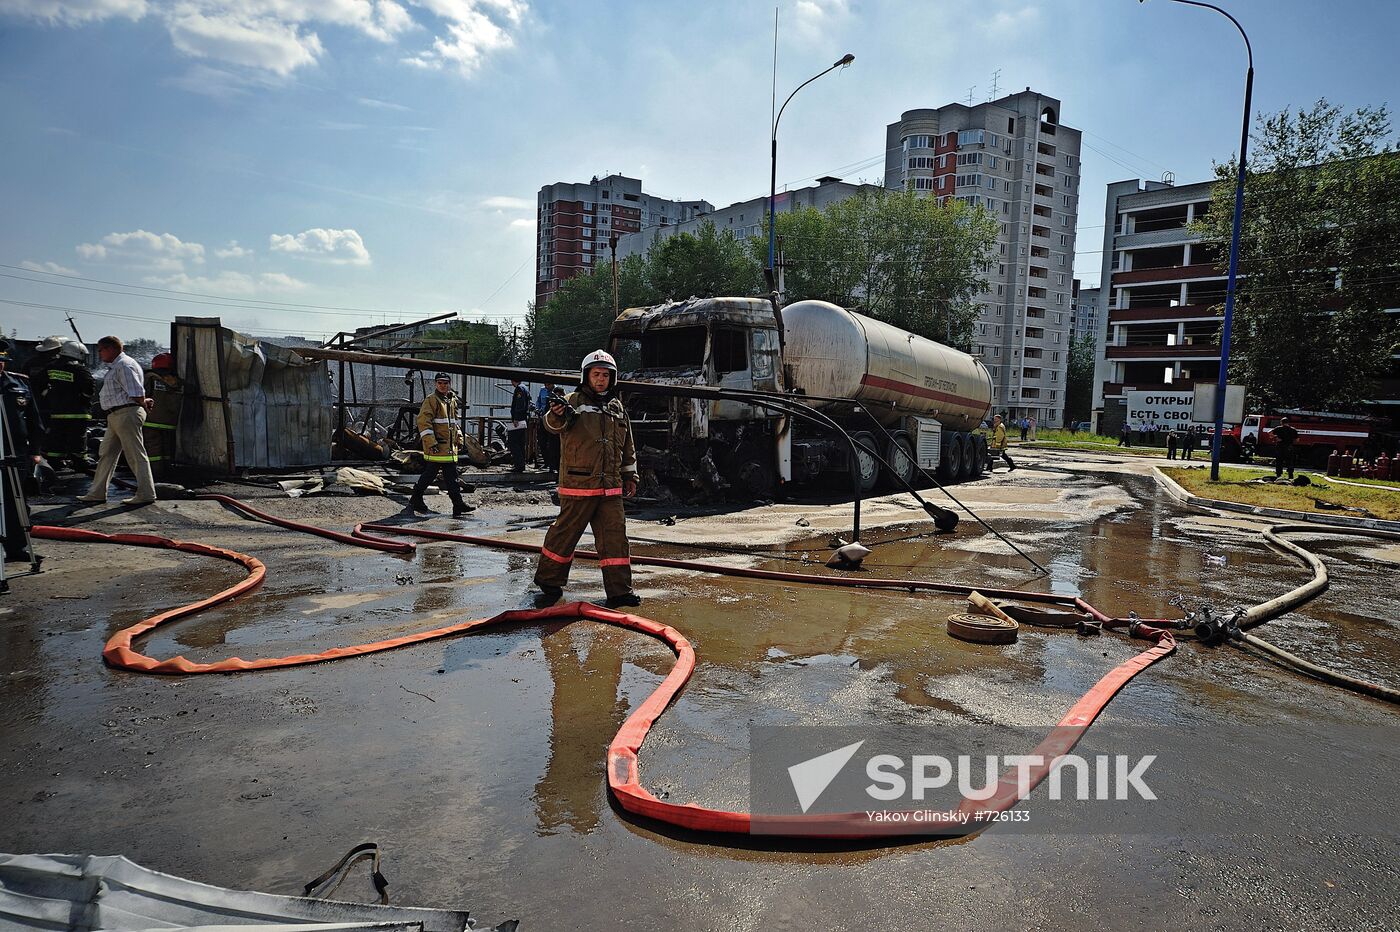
{"x": 1234, "y": 245}
{"x": 773, "y": 184}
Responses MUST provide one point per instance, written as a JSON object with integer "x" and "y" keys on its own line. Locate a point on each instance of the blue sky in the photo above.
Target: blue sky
{"x": 295, "y": 157}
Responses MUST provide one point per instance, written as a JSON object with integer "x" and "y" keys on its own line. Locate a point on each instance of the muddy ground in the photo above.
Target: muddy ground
{"x": 477, "y": 763}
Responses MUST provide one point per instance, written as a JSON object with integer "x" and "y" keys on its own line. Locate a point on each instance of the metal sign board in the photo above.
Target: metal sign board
{"x": 1203, "y": 404}
{"x": 1161, "y": 410}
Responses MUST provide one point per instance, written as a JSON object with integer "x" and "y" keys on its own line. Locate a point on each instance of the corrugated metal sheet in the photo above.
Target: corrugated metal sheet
{"x": 251, "y": 404}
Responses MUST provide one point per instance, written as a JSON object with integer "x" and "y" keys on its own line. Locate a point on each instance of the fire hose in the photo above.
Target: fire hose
{"x": 623, "y": 768}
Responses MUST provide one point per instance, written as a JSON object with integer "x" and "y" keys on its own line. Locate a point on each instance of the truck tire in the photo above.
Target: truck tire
{"x": 971, "y": 467}
{"x": 903, "y": 466}
{"x": 950, "y": 462}
{"x": 751, "y": 472}
{"x": 979, "y": 455}
{"x": 867, "y": 465}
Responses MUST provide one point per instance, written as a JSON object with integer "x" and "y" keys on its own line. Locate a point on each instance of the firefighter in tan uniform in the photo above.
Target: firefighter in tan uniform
{"x": 439, "y": 430}
{"x": 597, "y": 469}
{"x": 165, "y": 390}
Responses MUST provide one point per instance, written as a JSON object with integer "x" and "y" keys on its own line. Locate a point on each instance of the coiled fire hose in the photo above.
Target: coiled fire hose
{"x": 623, "y": 768}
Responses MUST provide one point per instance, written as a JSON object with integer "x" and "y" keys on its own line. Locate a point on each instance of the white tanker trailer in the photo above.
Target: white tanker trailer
{"x": 928, "y": 397}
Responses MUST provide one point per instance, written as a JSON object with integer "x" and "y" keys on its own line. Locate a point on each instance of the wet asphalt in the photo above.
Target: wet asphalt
{"x": 477, "y": 763}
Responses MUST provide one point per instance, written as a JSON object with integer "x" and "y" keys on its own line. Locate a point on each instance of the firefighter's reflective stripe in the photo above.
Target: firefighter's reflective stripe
{"x": 587, "y": 493}
{"x": 616, "y": 561}
{"x": 155, "y": 459}
{"x": 426, "y": 432}
{"x": 70, "y": 417}
{"x": 158, "y": 426}
{"x": 442, "y": 420}
{"x": 555, "y": 557}
{"x": 440, "y": 457}
{"x": 60, "y": 375}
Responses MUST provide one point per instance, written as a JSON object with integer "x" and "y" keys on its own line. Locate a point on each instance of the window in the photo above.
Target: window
{"x": 607, "y": 194}
{"x": 1005, "y": 229}
{"x": 1006, "y": 187}
{"x": 921, "y": 184}
{"x": 917, "y": 142}
{"x": 730, "y": 347}
{"x": 1066, "y": 200}
{"x": 1059, "y": 299}
{"x": 1064, "y": 239}
{"x": 968, "y": 180}
{"x": 1060, "y": 278}
{"x": 1055, "y": 357}
{"x": 993, "y": 162}
{"x": 1006, "y": 207}
{"x": 998, "y": 330}
{"x": 999, "y": 290}
{"x": 970, "y": 158}
{"x": 1060, "y": 260}
{"x": 991, "y": 183}
{"x": 969, "y": 137}
{"x": 1064, "y": 220}
{"x": 1053, "y": 394}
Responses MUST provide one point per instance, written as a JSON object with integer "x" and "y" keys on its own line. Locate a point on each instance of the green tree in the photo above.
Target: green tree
{"x": 1319, "y": 256}
{"x": 577, "y": 319}
{"x": 897, "y": 256}
{"x": 1079, "y": 379}
{"x": 486, "y": 344}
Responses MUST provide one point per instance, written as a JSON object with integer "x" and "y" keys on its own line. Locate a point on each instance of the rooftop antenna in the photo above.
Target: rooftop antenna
{"x": 969, "y": 94}
{"x": 996, "y": 78}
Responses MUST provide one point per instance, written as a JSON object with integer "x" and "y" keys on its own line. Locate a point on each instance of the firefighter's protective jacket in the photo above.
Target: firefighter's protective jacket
{"x": 438, "y": 428}
{"x": 65, "y": 388}
{"x": 595, "y": 445}
{"x": 166, "y": 401}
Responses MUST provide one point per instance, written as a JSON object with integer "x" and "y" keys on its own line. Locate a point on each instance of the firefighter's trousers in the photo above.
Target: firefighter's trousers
{"x": 602, "y": 513}
{"x": 160, "y": 447}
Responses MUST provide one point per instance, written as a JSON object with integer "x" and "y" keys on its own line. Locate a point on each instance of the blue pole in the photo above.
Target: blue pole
{"x": 1215, "y": 442}
{"x": 1220, "y": 381}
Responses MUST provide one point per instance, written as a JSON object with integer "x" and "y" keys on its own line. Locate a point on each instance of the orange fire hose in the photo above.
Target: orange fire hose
{"x": 623, "y": 769}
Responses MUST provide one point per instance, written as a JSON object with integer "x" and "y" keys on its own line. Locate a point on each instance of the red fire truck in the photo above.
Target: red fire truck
{"x": 1319, "y": 433}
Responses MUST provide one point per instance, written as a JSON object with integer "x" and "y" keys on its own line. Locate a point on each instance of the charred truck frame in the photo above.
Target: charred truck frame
{"x": 927, "y": 396}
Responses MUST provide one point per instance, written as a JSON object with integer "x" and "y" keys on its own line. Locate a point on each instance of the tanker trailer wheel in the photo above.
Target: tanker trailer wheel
{"x": 971, "y": 465}
{"x": 867, "y": 465}
{"x": 752, "y": 472}
{"x": 903, "y": 466}
{"x": 950, "y": 463}
{"x": 979, "y": 455}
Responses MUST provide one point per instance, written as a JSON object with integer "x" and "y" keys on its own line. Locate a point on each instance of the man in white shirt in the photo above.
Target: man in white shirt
{"x": 123, "y": 400}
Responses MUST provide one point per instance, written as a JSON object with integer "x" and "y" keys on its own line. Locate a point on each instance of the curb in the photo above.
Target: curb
{"x": 1177, "y": 492}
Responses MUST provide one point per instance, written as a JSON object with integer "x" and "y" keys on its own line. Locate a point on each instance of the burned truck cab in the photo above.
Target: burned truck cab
{"x": 709, "y": 446}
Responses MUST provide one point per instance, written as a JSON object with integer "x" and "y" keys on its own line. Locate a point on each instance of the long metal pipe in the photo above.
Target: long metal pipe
{"x": 786, "y": 404}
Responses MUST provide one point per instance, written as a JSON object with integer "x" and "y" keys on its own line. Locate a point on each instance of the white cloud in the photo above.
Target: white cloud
{"x": 232, "y": 284}
{"x": 279, "y": 37}
{"x": 342, "y": 247}
{"x": 818, "y": 19}
{"x": 267, "y": 44}
{"x": 53, "y": 268}
{"x": 471, "y": 33}
{"x": 522, "y": 223}
{"x": 1006, "y": 24}
{"x": 74, "y": 12}
{"x": 233, "y": 251}
{"x": 382, "y": 104}
{"x": 504, "y": 202}
{"x": 162, "y": 251}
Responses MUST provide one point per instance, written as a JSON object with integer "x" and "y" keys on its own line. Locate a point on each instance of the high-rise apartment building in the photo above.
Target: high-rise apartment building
{"x": 1084, "y": 313}
{"x": 1013, "y": 157}
{"x": 575, "y": 222}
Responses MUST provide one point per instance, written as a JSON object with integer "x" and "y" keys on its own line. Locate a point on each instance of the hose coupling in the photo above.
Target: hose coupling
{"x": 1211, "y": 629}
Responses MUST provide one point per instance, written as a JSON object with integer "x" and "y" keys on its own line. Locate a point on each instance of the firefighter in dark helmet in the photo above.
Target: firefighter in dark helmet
{"x": 597, "y": 469}
{"x": 441, "y": 434}
{"x": 60, "y": 380}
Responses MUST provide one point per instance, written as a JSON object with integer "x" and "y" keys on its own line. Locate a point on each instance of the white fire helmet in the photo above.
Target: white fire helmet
{"x": 49, "y": 344}
{"x": 72, "y": 349}
{"x": 599, "y": 358}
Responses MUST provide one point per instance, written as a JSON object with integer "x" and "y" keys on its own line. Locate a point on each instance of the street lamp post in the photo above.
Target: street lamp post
{"x": 773, "y": 180}
{"x": 1234, "y": 246}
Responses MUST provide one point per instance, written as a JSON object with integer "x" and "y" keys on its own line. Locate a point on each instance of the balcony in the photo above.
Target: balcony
{"x": 1042, "y": 232}
{"x": 1116, "y": 389}
{"x": 1174, "y": 273}
{"x": 1162, "y": 312}
{"x": 1153, "y": 351}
